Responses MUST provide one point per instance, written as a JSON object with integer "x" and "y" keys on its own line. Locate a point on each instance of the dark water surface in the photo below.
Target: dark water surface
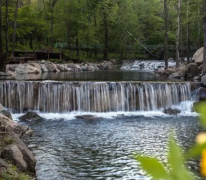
{"x": 102, "y": 149}
{"x": 116, "y": 75}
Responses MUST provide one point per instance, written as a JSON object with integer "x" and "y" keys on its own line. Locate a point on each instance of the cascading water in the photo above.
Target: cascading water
{"x": 62, "y": 97}
{"x": 145, "y": 65}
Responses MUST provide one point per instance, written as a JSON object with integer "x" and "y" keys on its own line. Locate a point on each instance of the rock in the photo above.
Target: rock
{"x": 11, "y": 73}
{"x": 4, "y": 74}
{"x": 90, "y": 67}
{"x": 55, "y": 67}
{"x": 3, "y": 166}
{"x": 26, "y": 69}
{"x": 196, "y": 78}
{"x": 11, "y": 67}
{"x": 44, "y": 67}
{"x": 27, "y": 154}
{"x": 203, "y": 80}
{"x": 87, "y": 117}
{"x": 31, "y": 117}
{"x": 203, "y": 70}
{"x": 200, "y": 67}
{"x": 8, "y": 123}
{"x": 23, "y": 131}
{"x": 176, "y": 75}
{"x": 7, "y": 114}
{"x": 51, "y": 67}
{"x": 1, "y": 107}
{"x": 113, "y": 60}
{"x": 42, "y": 61}
{"x": 191, "y": 71}
{"x": 77, "y": 66}
{"x": 84, "y": 68}
{"x": 63, "y": 67}
{"x": 13, "y": 154}
{"x": 167, "y": 72}
{"x": 198, "y": 56}
{"x": 171, "y": 111}
{"x": 36, "y": 65}
{"x": 202, "y": 94}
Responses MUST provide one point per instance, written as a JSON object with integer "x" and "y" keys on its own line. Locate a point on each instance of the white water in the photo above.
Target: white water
{"x": 185, "y": 107}
{"x": 145, "y": 65}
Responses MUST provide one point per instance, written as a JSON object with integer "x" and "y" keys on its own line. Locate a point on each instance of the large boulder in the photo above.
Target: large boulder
{"x": 6, "y": 122}
{"x": 13, "y": 154}
{"x": 51, "y": 67}
{"x": 91, "y": 67}
{"x": 1, "y": 107}
{"x": 27, "y": 69}
{"x": 30, "y": 117}
{"x": 77, "y": 66}
{"x": 191, "y": 71}
{"x": 5, "y": 74}
{"x": 44, "y": 67}
{"x": 202, "y": 94}
{"x": 36, "y": 65}
{"x": 11, "y": 67}
{"x": 27, "y": 154}
{"x": 87, "y": 117}
{"x": 171, "y": 111}
{"x": 23, "y": 131}
{"x": 177, "y": 75}
{"x": 7, "y": 114}
{"x": 198, "y": 56}
{"x": 63, "y": 67}
{"x": 203, "y": 80}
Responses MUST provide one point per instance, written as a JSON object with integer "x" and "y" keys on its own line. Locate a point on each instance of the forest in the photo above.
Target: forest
{"x": 102, "y": 29}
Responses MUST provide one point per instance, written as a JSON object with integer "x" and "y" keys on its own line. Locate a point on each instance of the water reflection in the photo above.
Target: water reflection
{"x": 90, "y": 76}
{"x": 102, "y": 149}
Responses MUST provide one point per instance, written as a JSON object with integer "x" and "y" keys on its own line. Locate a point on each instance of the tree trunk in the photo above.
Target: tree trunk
{"x": 31, "y": 41}
{"x": 178, "y": 34}
{"x": 204, "y": 29}
{"x": 7, "y": 27}
{"x": 2, "y": 58}
{"x": 14, "y": 33}
{"x": 1, "y": 29}
{"x": 105, "y": 38}
{"x": 52, "y": 26}
{"x": 188, "y": 34}
{"x": 77, "y": 47}
{"x": 95, "y": 46}
{"x": 166, "y": 34}
{"x": 52, "y": 20}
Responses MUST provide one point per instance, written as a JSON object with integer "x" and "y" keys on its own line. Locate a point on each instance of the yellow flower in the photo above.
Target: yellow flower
{"x": 201, "y": 139}
{"x": 203, "y": 163}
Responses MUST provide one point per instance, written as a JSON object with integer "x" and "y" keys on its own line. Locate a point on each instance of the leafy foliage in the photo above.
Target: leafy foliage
{"x": 82, "y": 23}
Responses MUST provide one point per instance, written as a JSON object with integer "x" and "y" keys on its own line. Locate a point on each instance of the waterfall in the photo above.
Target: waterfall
{"x": 61, "y": 97}
{"x": 151, "y": 65}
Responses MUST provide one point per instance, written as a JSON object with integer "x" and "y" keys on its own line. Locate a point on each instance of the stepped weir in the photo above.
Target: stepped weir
{"x": 62, "y": 97}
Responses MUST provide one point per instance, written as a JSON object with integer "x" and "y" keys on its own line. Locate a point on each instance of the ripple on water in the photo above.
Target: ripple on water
{"x": 81, "y": 150}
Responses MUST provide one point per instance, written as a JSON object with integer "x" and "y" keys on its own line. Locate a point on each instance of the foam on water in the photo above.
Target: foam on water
{"x": 185, "y": 108}
{"x": 146, "y": 65}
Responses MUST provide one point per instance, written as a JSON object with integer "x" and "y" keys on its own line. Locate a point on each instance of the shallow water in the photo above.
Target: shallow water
{"x": 102, "y": 149}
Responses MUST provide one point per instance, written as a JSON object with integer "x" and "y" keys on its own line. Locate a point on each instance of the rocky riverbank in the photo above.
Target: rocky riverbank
{"x": 16, "y": 160}
{"x": 38, "y": 67}
{"x": 194, "y": 71}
